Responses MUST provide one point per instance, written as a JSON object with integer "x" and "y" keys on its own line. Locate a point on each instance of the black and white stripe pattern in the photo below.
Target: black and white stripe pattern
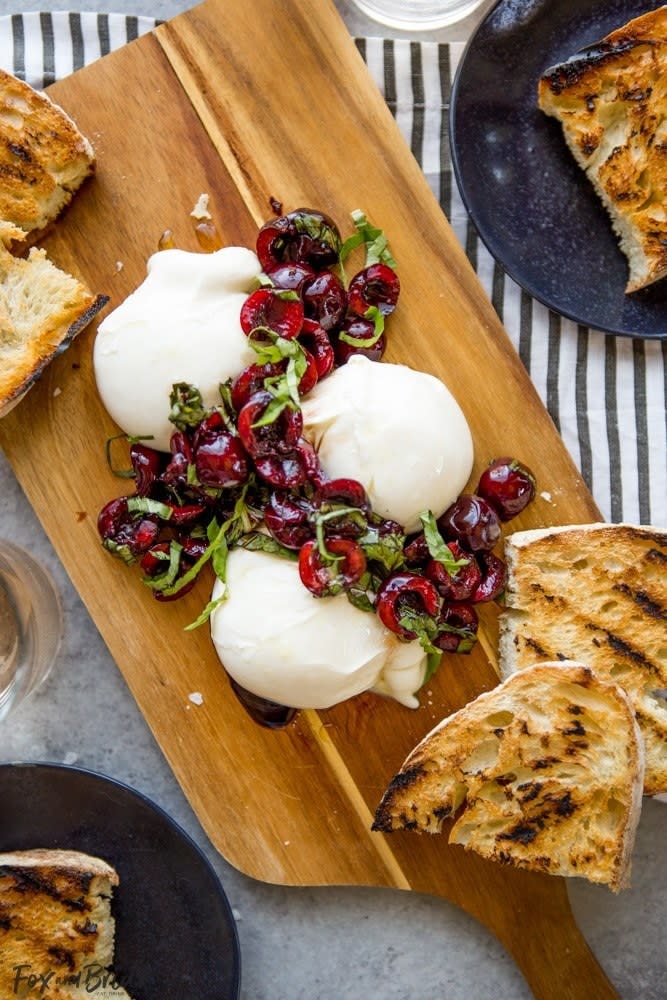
{"x": 607, "y": 395}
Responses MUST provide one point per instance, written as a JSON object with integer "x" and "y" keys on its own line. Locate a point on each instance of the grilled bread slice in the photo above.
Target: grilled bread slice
{"x": 56, "y": 923}
{"x": 611, "y": 100}
{"x": 44, "y": 158}
{"x": 41, "y": 310}
{"x": 543, "y": 772}
{"x": 596, "y": 593}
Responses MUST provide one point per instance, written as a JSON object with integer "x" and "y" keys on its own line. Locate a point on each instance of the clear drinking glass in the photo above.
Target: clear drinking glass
{"x": 31, "y": 625}
{"x": 417, "y": 15}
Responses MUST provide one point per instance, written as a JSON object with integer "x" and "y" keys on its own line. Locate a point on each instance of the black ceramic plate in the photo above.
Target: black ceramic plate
{"x": 175, "y": 934}
{"x": 532, "y": 205}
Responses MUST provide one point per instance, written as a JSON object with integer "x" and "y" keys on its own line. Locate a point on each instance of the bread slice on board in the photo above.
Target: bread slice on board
{"x": 44, "y": 158}
{"x": 611, "y": 100}
{"x": 596, "y": 593}
{"x": 41, "y": 310}
{"x": 544, "y": 772}
{"x": 56, "y": 925}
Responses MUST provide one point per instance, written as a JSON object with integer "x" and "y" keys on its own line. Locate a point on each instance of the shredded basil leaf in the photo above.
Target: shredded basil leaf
{"x": 144, "y": 505}
{"x": 436, "y": 545}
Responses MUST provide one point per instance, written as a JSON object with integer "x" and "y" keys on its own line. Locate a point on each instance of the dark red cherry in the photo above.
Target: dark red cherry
{"x": 361, "y": 332}
{"x": 406, "y": 593}
{"x": 416, "y": 552}
{"x": 304, "y": 235}
{"x": 291, "y": 276}
{"x": 458, "y": 624}
{"x": 268, "y": 309}
{"x": 349, "y": 492}
{"x": 251, "y": 380}
{"x": 316, "y": 341}
{"x": 220, "y": 459}
{"x": 287, "y": 517}
{"x": 459, "y": 585}
{"x": 147, "y": 464}
{"x": 377, "y": 285}
{"x": 494, "y": 578}
{"x": 508, "y": 485}
{"x": 325, "y": 300}
{"x": 324, "y": 577}
{"x": 176, "y": 471}
{"x": 278, "y": 436}
{"x": 125, "y": 534}
{"x": 472, "y": 522}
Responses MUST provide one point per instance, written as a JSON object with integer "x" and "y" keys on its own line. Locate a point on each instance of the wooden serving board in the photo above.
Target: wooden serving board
{"x": 247, "y": 102}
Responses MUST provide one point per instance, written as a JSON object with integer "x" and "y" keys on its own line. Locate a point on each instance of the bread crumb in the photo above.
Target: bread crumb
{"x": 119, "y": 265}
{"x": 196, "y": 698}
{"x": 200, "y": 211}
{"x": 546, "y": 496}
{"x": 57, "y": 391}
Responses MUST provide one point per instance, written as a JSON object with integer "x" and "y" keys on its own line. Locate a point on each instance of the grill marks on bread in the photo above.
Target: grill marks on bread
{"x": 544, "y": 772}
{"x": 55, "y": 917}
{"x": 611, "y": 101}
{"x": 598, "y": 594}
{"x": 44, "y": 158}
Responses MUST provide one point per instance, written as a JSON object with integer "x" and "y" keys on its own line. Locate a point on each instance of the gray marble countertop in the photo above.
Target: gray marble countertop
{"x": 329, "y": 943}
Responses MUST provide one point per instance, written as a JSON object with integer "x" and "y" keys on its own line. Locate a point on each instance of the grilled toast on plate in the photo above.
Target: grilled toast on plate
{"x": 44, "y": 158}
{"x": 56, "y": 925}
{"x": 544, "y": 772}
{"x": 595, "y": 593}
{"x": 41, "y": 310}
{"x": 611, "y": 100}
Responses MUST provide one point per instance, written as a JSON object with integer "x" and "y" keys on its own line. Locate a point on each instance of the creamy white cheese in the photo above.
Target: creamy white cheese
{"x": 279, "y": 642}
{"x": 180, "y": 325}
{"x": 398, "y": 431}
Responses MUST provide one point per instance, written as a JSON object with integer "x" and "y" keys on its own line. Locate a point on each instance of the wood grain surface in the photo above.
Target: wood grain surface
{"x": 247, "y": 102}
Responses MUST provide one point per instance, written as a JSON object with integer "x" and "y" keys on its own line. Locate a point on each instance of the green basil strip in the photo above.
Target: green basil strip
{"x": 206, "y": 613}
{"x": 144, "y": 505}
{"x": 437, "y": 547}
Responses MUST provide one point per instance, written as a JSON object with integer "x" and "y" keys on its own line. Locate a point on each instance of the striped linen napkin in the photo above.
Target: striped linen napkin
{"x": 605, "y": 394}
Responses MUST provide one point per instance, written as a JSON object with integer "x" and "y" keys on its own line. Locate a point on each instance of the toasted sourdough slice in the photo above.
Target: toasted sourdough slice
{"x": 44, "y": 158}
{"x": 41, "y": 310}
{"x": 611, "y": 100}
{"x": 56, "y": 922}
{"x": 543, "y": 772}
{"x": 596, "y": 593}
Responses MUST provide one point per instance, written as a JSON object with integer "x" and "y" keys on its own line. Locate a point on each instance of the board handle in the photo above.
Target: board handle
{"x": 551, "y": 952}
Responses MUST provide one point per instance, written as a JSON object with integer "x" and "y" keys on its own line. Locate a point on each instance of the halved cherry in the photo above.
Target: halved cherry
{"x": 346, "y": 491}
{"x": 325, "y": 576}
{"x": 147, "y": 464}
{"x": 362, "y": 332}
{"x": 123, "y": 533}
{"x": 458, "y": 624}
{"x": 377, "y": 285}
{"x": 251, "y": 380}
{"x": 278, "y": 436}
{"x": 291, "y": 275}
{"x": 304, "y": 235}
{"x": 325, "y": 300}
{"x": 494, "y": 578}
{"x": 268, "y": 308}
{"x": 181, "y": 457}
{"x": 459, "y": 585}
{"x": 316, "y": 341}
{"x": 406, "y": 593}
{"x": 221, "y": 460}
{"x": 287, "y": 516}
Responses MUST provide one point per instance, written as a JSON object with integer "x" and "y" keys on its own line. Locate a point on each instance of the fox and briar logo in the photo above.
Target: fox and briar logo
{"x": 93, "y": 978}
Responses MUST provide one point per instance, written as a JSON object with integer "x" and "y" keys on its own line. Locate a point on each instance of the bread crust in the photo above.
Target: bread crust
{"x": 55, "y": 922}
{"x": 611, "y": 101}
{"x": 596, "y": 593}
{"x": 44, "y": 158}
{"x": 543, "y": 772}
{"x": 42, "y": 309}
